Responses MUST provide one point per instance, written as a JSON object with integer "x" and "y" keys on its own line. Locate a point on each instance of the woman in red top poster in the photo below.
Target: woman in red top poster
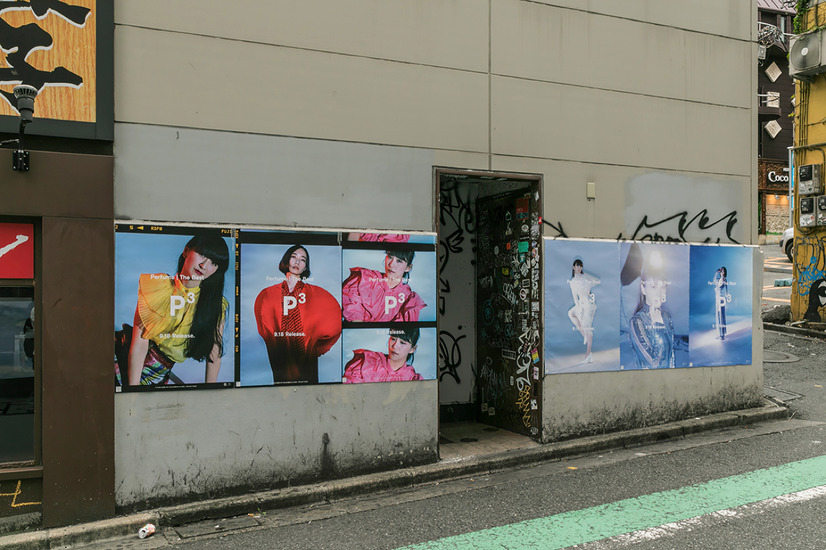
{"x": 299, "y": 322}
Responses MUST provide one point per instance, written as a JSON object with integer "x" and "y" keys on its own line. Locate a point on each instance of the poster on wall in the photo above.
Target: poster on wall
{"x": 16, "y": 251}
{"x": 721, "y": 305}
{"x": 289, "y": 308}
{"x": 654, "y": 328}
{"x": 389, "y": 282}
{"x": 174, "y": 307}
{"x": 398, "y": 353}
{"x": 388, "y": 297}
{"x": 582, "y": 306}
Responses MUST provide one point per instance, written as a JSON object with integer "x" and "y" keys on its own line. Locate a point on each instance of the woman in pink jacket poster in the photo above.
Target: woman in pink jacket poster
{"x": 401, "y": 353}
{"x": 370, "y": 295}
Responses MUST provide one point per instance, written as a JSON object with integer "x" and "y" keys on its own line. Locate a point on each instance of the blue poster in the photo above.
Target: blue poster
{"x": 654, "y": 319}
{"x": 390, "y": 284}
{"x": 721, "y": 305}
{"x": 402, "y": 352}
{"x": 177, "y": 285}
{"x": 290, "y": 308}
{"x": 582, "y": 306}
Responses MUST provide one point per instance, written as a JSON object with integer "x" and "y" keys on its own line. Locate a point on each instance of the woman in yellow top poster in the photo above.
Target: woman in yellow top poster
{"x": 181, "y": 316}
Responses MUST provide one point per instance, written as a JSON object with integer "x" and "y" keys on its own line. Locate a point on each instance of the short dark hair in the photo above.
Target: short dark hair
{"x": 408, "y": 335}
{"x": 284, "y": 264}
{"x": 404, "y": 255}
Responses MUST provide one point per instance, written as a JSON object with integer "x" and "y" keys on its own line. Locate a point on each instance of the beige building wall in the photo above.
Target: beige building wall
{"x": 323, "y": 114}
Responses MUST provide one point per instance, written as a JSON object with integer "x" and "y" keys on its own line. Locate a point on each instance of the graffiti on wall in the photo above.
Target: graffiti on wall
{"x": 508, "y": 309}
{"x": 556, "y": 227}
{"x": 676, "y": 228}
{"x": 16, "y": 496}
{"x": 677, "y": 208}
{"x": 809, "y": 290}
{"x": 457, "y": 218}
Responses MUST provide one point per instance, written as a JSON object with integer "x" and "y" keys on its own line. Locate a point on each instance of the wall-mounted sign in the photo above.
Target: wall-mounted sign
{"x": 776, "y": 177}
{"x": 16, "y": 251}
{"x": 64, "y": 50}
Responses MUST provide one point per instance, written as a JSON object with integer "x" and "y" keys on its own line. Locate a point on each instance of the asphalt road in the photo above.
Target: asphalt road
{"x": 776, "y": 267}
{"x": 689, "y": 486}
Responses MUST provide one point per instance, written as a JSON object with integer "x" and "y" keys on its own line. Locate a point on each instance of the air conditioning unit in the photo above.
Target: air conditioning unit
{"x": 807, "y": 55}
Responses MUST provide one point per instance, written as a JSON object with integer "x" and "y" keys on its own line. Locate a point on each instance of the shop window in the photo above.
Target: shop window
{"x": 17, "y": 374}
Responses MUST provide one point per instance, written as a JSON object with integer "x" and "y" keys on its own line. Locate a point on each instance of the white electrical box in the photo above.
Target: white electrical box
{"x": 810, "y": 179}
{"x": 820, "y": 208}
{"x": 807, "y": 212}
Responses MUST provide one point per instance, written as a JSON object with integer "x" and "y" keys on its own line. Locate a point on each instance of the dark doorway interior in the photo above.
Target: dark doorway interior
{"x": 490, "y": 352}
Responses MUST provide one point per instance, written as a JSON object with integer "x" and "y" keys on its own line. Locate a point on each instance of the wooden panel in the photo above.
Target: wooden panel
{"x": 78, "y": 348}
{"x": 20, "y": 496}
{"x": 74, "y": 48}
{"x": 58, "y": 184}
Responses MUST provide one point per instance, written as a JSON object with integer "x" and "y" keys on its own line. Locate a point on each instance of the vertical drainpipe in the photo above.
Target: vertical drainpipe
{"x": 791, "y": 186}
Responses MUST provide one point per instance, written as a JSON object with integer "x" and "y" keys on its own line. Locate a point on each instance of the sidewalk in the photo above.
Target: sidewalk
{"x": 329, "y": 490}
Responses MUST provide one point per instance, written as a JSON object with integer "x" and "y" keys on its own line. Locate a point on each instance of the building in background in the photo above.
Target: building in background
{"x": 371, "y": 133}
{"x": 775, "y": 90}
{"x": 807, "y": 66}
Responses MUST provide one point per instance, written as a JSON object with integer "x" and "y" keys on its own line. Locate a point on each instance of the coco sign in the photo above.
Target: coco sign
{"x": 774, "y": 177}
{"x": 16, "y": 251}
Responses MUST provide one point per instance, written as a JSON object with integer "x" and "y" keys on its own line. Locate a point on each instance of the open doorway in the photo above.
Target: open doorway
{"x": 490, "y": 305}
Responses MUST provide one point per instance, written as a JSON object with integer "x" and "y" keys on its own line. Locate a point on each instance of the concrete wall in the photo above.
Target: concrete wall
{"x": 173, "y": 445}
{"x": 324, "y": 114}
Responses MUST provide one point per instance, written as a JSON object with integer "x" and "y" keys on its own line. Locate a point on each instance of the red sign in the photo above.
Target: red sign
{"x": 16, "y": 251}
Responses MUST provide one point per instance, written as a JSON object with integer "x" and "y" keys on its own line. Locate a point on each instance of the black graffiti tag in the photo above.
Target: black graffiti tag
{"x": 700, "y": 220}
{"x": 21, "y": 41}
{"x": 560, "y": 232}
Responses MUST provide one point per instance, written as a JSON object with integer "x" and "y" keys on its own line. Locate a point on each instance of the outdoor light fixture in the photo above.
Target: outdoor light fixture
{"x": 24, "y": 94}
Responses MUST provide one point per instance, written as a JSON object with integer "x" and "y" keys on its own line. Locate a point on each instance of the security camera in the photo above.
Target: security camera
{"x": 25, "y": 95}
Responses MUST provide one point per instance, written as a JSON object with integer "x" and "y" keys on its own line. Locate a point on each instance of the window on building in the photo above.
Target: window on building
{"x": 19, "y": 361}
{"x": 17, "y": 348}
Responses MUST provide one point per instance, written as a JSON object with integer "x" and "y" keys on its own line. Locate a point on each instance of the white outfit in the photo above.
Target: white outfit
{"x": 584, "y": 304}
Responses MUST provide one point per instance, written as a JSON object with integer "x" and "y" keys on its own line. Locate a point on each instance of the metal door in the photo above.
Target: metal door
{"x": 508, "y": 294}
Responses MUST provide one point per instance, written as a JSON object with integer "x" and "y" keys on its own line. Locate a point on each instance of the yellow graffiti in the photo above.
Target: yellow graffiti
{"x": 17, "y": 492}
{"x": 524, "y": 403}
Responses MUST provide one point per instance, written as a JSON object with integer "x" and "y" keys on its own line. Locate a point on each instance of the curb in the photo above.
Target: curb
{"x": 798, "y": 331}
{"x": 172, "y": 516}
{"x": 60, "y": 537}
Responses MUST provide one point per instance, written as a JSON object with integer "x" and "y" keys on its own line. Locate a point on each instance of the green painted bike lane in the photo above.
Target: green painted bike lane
{"x": 644, "y": 512}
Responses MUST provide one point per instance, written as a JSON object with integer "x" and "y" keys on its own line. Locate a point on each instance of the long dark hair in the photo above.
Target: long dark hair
{"x": 818, "y": 287}
{"x": 209, "y": 308}
{"x": 284, "y": 264}
{"x": 577, "y": 262}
